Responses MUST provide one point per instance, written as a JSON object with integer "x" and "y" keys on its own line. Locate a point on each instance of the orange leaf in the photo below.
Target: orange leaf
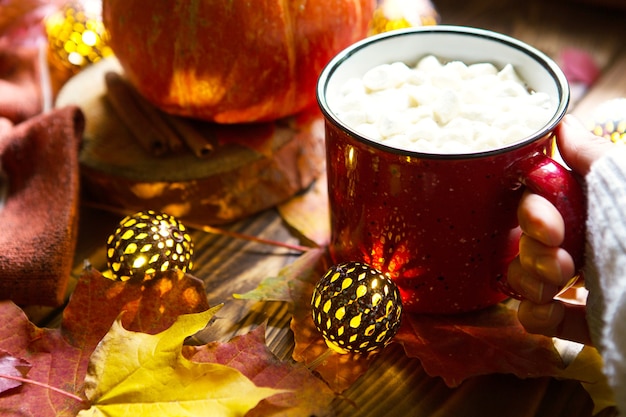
{"x": 308, "y": 213}
{"x": 249, "y": 354}
{"x": 489, "y": 341}
{"x": 455, "y": 347}
{"x": 339, "y": 371}
{"x": 274, "y": 288}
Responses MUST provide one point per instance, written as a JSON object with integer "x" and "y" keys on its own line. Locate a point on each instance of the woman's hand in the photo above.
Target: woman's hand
{"x": 542, "y": 268}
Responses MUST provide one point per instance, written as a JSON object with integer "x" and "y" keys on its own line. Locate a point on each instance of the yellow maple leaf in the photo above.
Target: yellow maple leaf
{"x": 138, "y": 374}
{"x": 587, "y": 368}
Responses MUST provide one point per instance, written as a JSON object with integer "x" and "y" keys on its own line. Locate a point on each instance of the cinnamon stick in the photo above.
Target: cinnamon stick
{"x": 145, "y": 121}
{"x": 201, "y": 145}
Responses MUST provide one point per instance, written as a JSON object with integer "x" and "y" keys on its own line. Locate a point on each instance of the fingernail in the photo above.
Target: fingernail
{"x": 532, "y": 288}
{"x": 550, "y": 268}
{"x": 543, "y": 312}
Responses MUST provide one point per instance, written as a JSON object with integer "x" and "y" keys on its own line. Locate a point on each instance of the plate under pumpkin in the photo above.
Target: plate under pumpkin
{"x": 252, "y": 167}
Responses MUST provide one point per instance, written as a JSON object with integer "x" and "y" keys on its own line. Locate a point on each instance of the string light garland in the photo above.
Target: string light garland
{"x": 356, "y": 308}
{"x": 146, "y": 244}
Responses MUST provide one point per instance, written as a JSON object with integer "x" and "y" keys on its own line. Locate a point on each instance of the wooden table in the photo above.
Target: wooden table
{"x": 396, "y": 385}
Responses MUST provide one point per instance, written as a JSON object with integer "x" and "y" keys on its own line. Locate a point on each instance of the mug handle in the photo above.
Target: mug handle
{"x": 544, "y": 176}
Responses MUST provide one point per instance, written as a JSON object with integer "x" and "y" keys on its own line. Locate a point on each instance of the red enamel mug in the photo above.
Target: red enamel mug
{"x": 443, "y": 226}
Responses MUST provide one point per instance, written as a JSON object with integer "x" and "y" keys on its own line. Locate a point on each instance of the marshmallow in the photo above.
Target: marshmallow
{"x": 442, "y": 108}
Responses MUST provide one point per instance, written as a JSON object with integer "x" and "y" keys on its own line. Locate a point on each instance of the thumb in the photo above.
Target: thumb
{"x": 578, "y": 146}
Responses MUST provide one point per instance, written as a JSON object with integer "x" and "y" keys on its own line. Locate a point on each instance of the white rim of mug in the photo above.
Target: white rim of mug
{"x": 541, "y": 58}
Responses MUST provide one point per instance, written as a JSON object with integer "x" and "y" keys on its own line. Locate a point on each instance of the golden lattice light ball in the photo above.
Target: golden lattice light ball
{"x": 400, "y": 14}
{"x": 76, "y": 37}
{"x": 356, "y": 308}
{"x": 146, "y": 244}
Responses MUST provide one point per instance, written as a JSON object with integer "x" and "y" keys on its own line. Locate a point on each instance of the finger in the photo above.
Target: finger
{"x": 539, "y": 219}
{"x": 529, "y": 285}
{"x": 553, "y": 265}
{"x": 555, "y": 319}
{"x": 578, "y": 146}
{"x": 5, "y": 125}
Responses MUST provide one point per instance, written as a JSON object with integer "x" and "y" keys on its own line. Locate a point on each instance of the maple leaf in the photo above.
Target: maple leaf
{"x": 249, "y": 354}
{"x": 274, "y": 288}
{"x": 587, "y": 368}
{"x": 294, "y": 284}
{"x": 340, "y": 371}
{"x": 59, "y": 357}
{"x": 263, "y": 137}
{"x": 492, "y": 340}
{"x": 454, "y": 348}
{"x": 308, "y": 213}
{"x": 139, "y": 374}
{"x": 50, "y": 358}
{"x": 11, "y": 366}
{"x": 150, "y": 306}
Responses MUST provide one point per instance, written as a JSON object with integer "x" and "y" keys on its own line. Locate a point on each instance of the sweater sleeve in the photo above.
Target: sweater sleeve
{"x": 605, "y": 273}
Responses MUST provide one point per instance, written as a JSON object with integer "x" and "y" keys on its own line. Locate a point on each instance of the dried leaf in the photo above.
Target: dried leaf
{"x": 263, "y": 137}
{"x": 295, "y": 284}
{"x": 339, "y": 371}
{"x": 489, "y": 341}
{"x": 249, "y": 354}
{"x": 51, "y": 359}
{"x": 451, "y": 347}
{"x": 149, "y": 307}
{"x": 275, "y": 288}
{"x": 258, "y": 137}
{"x": 587, "y": 368}
{"x": 308, "y": 213}
{"x": 11, "y": 366}
{"x": 270, "y": 289}
{"x": 138, "y": 374}
{"x": 59, "y": 357}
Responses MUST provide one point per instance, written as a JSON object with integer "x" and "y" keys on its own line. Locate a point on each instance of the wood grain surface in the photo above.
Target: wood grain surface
{"x": 396, "y": 385}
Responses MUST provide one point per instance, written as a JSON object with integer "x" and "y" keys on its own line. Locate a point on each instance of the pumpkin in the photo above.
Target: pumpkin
{"x": 232, "y": 61}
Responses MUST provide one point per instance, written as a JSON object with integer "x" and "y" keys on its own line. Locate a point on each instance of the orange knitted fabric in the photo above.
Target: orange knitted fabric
{"x": 39, "y": 212}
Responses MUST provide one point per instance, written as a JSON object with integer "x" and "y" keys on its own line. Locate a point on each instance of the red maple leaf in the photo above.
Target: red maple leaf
{"x": 489, "y": 341}
{"x": 59, "y": 357}
{"x": 249, "y": 354}
{"x": 14, "y": 367}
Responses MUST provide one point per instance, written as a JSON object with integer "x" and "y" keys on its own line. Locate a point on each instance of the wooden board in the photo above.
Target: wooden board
{"x": 252, "y": 167}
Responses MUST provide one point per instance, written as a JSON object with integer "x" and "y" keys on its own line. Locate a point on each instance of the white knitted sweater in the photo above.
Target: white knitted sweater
{"x": 605, "y": 271}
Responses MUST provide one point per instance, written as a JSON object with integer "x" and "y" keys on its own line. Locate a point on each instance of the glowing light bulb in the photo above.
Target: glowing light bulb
{"x": 356, "y": 308}
{"x": 146, "y": 244}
